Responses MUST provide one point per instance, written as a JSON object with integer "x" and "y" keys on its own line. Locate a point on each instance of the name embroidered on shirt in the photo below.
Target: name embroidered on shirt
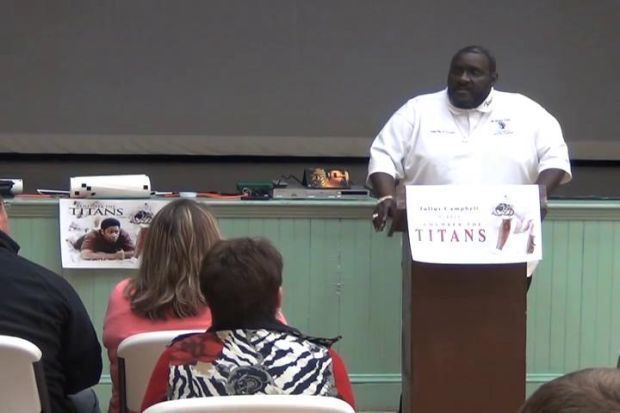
{"x": 442, "y": 131}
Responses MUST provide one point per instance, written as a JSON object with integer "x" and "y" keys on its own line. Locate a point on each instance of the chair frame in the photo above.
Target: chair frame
{"x": 167, "y": 337}
{"x": 37, "y": 368}
{"x": 44, "y": 397}
{"x": 258, "y": 403}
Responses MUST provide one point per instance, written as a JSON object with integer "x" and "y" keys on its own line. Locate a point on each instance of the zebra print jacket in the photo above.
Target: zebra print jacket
{"x": 270, "y": 358}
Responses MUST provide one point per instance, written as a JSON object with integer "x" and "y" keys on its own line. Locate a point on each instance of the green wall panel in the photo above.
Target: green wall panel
{"x": 341, "y": 278}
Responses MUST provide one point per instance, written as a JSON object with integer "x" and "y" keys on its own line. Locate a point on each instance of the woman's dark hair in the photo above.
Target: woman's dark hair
{"x": 241, "y": 279}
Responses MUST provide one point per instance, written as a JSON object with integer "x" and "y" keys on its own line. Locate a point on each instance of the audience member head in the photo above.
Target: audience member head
{"x": 177, "y": 241}
{"x": 595, "y": 390}
{"x": 241, "y": 280}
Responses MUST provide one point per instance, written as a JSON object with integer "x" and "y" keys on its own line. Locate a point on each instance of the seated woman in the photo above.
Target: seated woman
{"x": 246, "y": 350}
{"x": 165, "y": 294}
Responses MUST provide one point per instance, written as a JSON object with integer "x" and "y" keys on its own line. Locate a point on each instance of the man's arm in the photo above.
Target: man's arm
{"x": 87, "y": 254}
{"x": 384, "y": 186}
{"x": 127, "y": 245}
{"x": 80, "y": 351}
{"x": 386, "y": 162}
{"x": 128, "y": 254}
{"x": 88, "y": 248}
{"x": 548, "y": 180}
{"x": 553, "y": 164}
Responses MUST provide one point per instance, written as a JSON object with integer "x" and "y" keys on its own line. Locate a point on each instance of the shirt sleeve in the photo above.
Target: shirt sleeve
{"x": 88, "y": 243}
{"x": 80, "y": 351}
{"x": 389, "y": 147}
{"x": 551, "y": 147}
{"x": 341, "y": 379}
{"x": 126, "y": 242}
{"x": 157, "y": 388}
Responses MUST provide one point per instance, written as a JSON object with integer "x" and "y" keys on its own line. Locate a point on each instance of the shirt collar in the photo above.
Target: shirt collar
{"x": 485, "y": 107}
{"x": 273, "y": 325}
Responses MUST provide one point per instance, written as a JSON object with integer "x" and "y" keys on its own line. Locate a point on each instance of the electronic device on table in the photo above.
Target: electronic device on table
{"x": 319, "y": 184}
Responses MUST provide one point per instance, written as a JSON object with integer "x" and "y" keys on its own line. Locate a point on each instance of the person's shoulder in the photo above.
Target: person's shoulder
{"x": 119, "y": 289}
{"x": 49, "y": 280}
{"x": 90, "y": 237}
{"x": 438, "y": 97}
{"x": 512, "y": 99}
{"x": 93, "y": 233}
{"x": 195, "y": 346}
{"x": 422, "y": 103}
{"x": 310, "y": 343}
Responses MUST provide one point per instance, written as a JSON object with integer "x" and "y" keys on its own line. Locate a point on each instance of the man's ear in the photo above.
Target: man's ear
{"x": 494, "y": 77}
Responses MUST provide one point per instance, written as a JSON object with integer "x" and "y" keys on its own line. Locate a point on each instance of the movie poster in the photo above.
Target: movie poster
{"x": 460, "y": 224}
{"x": 104, "y": 233}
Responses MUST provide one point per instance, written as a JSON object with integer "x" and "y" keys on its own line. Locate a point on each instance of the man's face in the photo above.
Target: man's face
{"x": 469, "y": 80}
{"x": 111, "y": 234}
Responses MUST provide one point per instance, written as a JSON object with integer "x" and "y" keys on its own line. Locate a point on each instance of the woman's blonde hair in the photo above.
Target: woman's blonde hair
{"x": 167, "y": 283}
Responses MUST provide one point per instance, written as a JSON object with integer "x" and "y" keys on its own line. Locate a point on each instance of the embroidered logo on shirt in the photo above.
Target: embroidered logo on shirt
{"x": 502, "y": 127}
{"x": 442, "y": 131}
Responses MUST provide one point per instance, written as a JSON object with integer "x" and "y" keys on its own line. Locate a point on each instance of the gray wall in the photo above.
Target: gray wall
{"x": 285, "y": 77}
{"x": 279, "y": 78}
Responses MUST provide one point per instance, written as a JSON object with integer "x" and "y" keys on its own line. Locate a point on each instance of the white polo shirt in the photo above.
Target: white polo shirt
{"x": 508, "y": 139}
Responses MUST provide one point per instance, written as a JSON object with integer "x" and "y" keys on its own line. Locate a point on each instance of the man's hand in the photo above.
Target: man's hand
{"x": 385, "y": 209}
{"x": 384, "y": 186}
{"x": 119, "y": 255}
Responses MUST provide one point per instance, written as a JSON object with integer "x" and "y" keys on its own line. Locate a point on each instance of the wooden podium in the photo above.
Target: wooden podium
{"x": 464, "y": 329}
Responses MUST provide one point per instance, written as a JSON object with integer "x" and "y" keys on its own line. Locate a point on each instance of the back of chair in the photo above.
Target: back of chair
{"x": 254, "y": 404}
{"x": 137, "y": 356}
{"x": 22, "y": 382}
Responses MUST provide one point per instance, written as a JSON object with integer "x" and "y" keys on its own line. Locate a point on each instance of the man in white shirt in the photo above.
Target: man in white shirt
{"x": 468, "y": 133}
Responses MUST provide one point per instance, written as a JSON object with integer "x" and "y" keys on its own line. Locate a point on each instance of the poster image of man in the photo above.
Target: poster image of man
{"x": 109, "y": 242}
{"x": 109, "y": 233}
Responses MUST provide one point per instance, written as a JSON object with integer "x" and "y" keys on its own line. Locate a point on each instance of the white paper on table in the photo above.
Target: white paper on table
{"x": 111, "y": 186}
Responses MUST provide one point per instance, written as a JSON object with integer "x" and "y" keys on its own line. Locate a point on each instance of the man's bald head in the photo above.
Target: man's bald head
{"x": 479, "y": 50}
{"x": 471, "y": 77}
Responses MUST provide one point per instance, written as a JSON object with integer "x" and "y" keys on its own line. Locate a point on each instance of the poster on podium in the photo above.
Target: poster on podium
{"x": 104, "y": 233}
{"x": 462, "y": 224}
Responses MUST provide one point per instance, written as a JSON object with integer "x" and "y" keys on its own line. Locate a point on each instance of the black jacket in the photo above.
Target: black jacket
{"x": 40, "y": 306}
